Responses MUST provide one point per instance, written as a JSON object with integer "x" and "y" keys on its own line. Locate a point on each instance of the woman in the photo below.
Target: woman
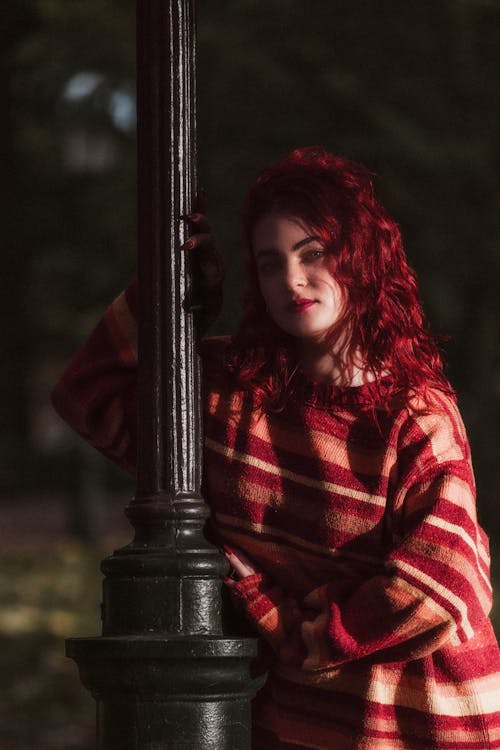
{"x": 338, "y": 473}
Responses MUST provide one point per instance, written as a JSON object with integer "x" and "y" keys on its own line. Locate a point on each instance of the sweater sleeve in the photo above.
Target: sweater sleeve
{"x": 433, "y": 589}
{"x": 97, "y": 393}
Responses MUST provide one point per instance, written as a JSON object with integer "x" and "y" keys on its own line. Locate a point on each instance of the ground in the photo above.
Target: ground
{"x": 50, "y": 588}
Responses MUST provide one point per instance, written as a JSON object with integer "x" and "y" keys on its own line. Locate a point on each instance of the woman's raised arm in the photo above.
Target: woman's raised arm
{"x": 97, "y": 393}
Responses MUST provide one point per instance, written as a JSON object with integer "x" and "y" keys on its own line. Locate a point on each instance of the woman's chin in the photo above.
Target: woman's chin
{"x": 305, "y": 332}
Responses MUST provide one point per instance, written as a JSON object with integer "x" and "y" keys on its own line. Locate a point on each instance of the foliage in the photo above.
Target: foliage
{"x": 45, "y": 597}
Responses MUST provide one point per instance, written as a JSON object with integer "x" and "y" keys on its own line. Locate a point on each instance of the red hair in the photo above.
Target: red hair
{"x": 334, "y": 197}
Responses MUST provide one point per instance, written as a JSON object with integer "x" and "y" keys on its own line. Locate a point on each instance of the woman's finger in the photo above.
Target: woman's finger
{"x": 208, "y": 266}
{"x": 240, "y": 562}
{"x": 203, "y": 240}
{"x": 198, "y": 222}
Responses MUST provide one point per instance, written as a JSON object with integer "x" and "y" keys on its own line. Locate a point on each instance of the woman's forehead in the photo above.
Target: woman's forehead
{"x": 281, "y": 228}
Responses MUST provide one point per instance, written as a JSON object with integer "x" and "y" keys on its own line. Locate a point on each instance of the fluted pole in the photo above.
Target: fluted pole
{"x": 170, "y": 425}
{"x": 167, "y": 673}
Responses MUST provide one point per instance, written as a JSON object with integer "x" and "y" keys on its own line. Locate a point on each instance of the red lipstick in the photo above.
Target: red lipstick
{"x": 300, "y": 305}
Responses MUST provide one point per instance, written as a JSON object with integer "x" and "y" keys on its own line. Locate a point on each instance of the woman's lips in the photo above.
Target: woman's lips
{"x": 300, "y": 305}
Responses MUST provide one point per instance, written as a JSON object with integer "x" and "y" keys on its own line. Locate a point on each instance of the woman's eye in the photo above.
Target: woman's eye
{"x": 312, "y": 255}
{"x": 269, "y": 266}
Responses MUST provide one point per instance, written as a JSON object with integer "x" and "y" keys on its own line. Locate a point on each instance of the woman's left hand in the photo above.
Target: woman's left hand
{"x": 208, "y": 268}
{"x": 240, "y": 563}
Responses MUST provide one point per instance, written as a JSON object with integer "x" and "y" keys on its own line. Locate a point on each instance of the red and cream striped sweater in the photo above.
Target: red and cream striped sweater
{"x": 374, "y": 592}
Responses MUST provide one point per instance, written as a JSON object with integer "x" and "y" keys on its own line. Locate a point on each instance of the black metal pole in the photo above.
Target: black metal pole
{"x": 165, "y": 673}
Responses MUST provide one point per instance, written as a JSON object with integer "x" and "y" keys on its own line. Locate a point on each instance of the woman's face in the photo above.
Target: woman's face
{"x": 301, "y": 295}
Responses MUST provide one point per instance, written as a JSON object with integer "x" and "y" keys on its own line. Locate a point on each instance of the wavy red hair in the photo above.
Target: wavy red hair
{"x": 334, "y": 197}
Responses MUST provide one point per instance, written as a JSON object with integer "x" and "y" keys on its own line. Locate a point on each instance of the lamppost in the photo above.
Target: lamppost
{"x": 165, "y": 673}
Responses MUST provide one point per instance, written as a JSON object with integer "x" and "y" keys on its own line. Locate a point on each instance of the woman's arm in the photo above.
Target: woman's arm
{"x": 97, "y": 393}
{"x": 434, "y": 589}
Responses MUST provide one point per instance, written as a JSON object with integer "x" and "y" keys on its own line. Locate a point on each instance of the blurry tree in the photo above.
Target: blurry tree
{"x": 69, "y": 205}
{"x": 17, "y": 18}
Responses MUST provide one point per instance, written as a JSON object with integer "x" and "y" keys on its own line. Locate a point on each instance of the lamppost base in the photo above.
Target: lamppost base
{"x": 169, "y": 693}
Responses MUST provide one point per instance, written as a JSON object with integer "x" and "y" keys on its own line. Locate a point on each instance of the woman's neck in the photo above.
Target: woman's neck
{"x": 326, "y": 366}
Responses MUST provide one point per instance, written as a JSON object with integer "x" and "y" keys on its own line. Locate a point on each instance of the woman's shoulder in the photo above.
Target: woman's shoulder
{"x": 433, "y": 408}
{"x": 433, "y": 425}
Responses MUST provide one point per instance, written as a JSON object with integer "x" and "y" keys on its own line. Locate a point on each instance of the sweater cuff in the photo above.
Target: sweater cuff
{"x": 343, "y": 647}
{"x": 276, "y": 617}
{"x": 257, "y": 596}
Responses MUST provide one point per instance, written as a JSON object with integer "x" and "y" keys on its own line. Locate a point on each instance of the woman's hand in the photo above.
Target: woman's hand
{"x": 208, "y": 268}
{"x": 241, "y": 565}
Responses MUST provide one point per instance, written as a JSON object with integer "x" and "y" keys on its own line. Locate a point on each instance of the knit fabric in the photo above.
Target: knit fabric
{"x": 373, "y": 588}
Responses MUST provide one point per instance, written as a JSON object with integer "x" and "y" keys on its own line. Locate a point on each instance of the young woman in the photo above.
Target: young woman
{"x": 338, "y": 473}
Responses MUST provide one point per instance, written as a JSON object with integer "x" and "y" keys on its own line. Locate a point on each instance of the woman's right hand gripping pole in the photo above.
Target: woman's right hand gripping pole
{"x": 207, "y": 268}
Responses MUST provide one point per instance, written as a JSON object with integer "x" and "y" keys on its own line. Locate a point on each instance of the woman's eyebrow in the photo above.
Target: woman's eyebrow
{"x": 297, "y": 246}
{"x": 267, "y": 251}
{"x": 305, "y": 241}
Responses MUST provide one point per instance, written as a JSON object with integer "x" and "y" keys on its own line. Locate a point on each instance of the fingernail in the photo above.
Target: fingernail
{"x": 226, "y": 579}
{"x": 227, "y": 550}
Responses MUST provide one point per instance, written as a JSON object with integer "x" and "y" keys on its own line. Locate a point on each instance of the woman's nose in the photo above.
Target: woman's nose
{"x": 294, "y": 276}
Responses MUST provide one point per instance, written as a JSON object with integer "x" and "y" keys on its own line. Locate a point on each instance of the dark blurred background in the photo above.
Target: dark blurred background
{"x": 406, "y": 88}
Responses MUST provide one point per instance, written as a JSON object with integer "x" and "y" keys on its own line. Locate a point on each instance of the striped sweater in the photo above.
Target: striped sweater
{"x": 374, "y": 588}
